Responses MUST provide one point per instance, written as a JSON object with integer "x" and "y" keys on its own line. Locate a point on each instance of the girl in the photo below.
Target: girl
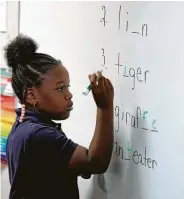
{"x": 43, "y": 163}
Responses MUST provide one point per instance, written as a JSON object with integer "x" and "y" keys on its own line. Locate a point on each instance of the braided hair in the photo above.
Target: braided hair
{"x": 28, "y": 67}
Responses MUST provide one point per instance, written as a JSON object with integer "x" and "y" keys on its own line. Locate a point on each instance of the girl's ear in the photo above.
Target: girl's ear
{"x": 30, "y": 97}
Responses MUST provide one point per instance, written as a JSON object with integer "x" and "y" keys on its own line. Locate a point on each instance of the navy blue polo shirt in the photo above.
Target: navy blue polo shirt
{"x": 38, "y": 154}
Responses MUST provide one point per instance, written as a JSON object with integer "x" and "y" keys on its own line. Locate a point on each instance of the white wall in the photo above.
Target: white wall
{"x": 5, "y": 185}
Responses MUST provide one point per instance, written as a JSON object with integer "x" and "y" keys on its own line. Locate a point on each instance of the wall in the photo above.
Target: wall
{"x": 12, "y": 27}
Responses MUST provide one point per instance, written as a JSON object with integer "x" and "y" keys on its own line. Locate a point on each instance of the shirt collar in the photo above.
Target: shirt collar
{"x": 37, "y": 117}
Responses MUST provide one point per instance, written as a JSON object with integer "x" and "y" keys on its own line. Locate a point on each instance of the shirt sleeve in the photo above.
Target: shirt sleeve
{"x": 50, "y": 145}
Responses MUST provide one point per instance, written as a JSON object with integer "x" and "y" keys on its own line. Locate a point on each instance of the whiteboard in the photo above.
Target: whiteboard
{"x": 140, "y": 46}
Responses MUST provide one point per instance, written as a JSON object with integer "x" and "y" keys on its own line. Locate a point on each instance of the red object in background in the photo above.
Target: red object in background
{"x": 8, "y": 104}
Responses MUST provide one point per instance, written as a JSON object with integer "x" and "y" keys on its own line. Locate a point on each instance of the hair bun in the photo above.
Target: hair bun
{"x": 20, "y": 51}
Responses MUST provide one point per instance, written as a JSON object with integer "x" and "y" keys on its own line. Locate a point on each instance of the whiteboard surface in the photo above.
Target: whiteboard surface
{"x": 149, "y": 94}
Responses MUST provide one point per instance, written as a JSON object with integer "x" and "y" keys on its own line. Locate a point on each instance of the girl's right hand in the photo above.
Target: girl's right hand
{"x": 103, "y": 91}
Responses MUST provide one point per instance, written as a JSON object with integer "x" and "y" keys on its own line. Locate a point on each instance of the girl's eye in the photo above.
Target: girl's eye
{"x": 63, "y": 88}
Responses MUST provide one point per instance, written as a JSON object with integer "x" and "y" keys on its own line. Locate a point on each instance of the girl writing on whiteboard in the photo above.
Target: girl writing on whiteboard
{"x": 43, "y": 162}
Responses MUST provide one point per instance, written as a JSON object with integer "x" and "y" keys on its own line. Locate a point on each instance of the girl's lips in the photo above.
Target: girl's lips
{"x": 69, "y": 108}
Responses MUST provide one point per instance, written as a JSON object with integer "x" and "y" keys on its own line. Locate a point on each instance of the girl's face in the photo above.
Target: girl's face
{"x": 53, "y": 96}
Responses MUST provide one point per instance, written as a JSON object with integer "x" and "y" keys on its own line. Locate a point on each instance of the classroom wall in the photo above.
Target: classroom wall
{"x": 5, "y": 185}
{"x": 12, "y": 26}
